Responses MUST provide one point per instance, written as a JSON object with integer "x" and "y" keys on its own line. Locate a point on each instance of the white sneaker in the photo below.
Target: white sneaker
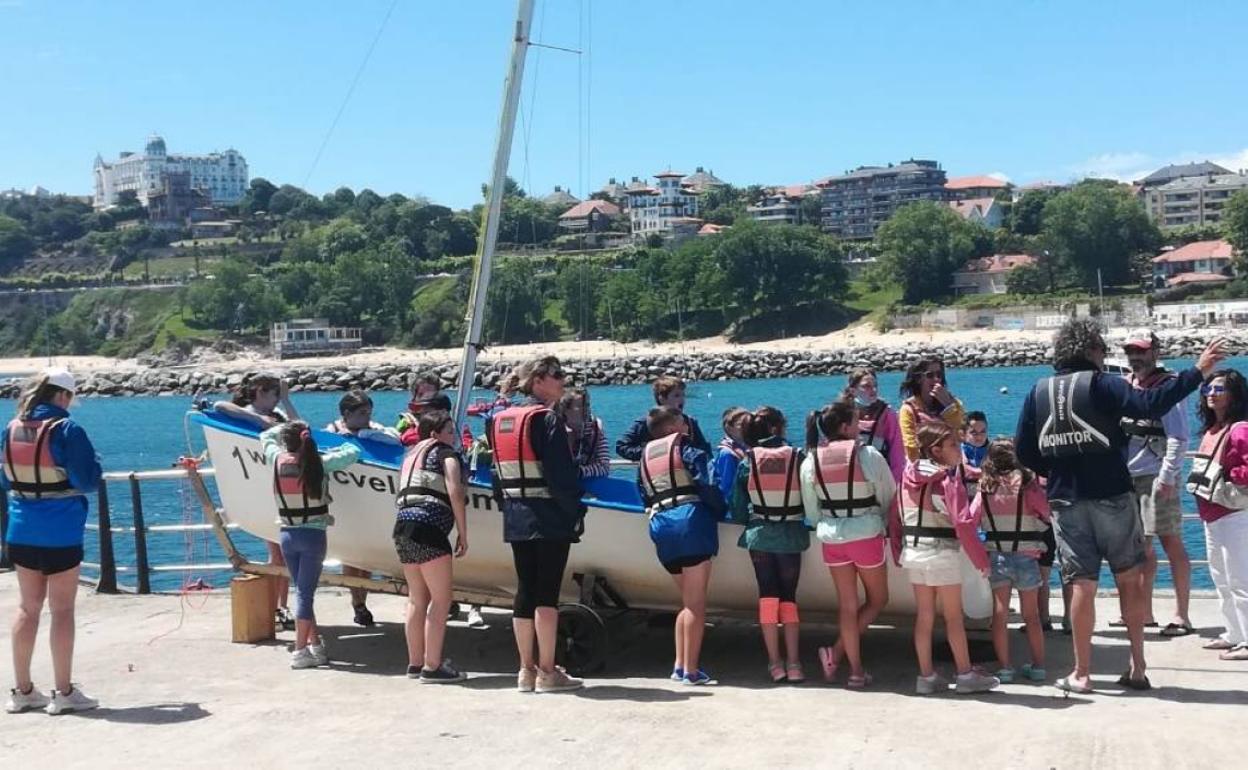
{"x": 976, "y": 681}
{"x": 556, "y": 680}
{"x": 320, "y": 653}
{"x": 930, "y": 685}
{"x": 26, "y": 701}
{"x": 475, "y": 620}
{"x": 76, "y": 700}
{"x": 526, "y": 680}
{"x": 303, "y": 659}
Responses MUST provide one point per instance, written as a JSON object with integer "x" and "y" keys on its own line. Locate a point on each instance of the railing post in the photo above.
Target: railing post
{"x": 4, "y": 527}
{"x": 108, "y": 563}
{"x": 140, "y": 536}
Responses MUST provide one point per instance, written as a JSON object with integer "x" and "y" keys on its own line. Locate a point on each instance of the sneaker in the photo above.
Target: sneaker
{"x": 526, "y": 680}
{"x": 1005, "y": 675}
{"x": 1034, "y": 673}
{"x": 303, "y": 659}
{"x": 678, "y": 674}
{"x": 320, "y": 653}
{"x": 363, "y": 617}
{"x": 443, "y": 674}
{"x": 976, "y": 681}
{"x": 413, "y": 672}
{"x": 701, "y": 678}
{"x": 76, "y": 700}
{"x": 475, "y": 619}
{"x": 930, "y": 685}
{"x": 26, "y": 701}
{"x": 556, "y": 680}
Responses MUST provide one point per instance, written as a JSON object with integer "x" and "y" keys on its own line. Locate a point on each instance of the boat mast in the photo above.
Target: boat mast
{"x": 494, "y": 205}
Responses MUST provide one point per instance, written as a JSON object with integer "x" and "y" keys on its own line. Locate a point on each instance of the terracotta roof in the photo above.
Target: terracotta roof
{"x": 1196, "y": 250}
{"x": 1186, "y": 278}
{"x": 583, "y": 209}
{"x": 997, "y": 263}
{"x": 970, "y": 182}
{"x": 969, "y": 207}
{"x": 712, "y": 229}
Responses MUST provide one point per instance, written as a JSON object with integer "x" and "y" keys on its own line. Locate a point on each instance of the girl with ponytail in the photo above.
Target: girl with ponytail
{"x": 301, "y": 493}
{"x": 848, "y": 491}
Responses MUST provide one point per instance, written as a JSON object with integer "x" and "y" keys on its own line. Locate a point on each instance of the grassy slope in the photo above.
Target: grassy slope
{"x": 169, "y": 267}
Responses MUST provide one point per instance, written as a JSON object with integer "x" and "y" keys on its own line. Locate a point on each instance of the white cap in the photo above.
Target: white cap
{"x": 61, "y": 378}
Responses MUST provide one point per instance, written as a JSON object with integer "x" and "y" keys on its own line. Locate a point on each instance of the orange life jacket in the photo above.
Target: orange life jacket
{"x": 516, "y": 466}
{"x": 774, "y": 486}
{"x": 420, "y": 484}
{"x": 296, "y": 504}
{"x": 28, "y": 463}
{"x": 924, "y": 514}
{"x": 665, "y": 481}
{"x": 840, "y": 484}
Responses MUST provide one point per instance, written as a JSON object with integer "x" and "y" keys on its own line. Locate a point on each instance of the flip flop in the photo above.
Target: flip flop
{"x": 1218, "y": 644}
{"x": 795, "y": 673}
{"x": 1120, "y": 623}
{"x": 1177, "y": 629}
{"x": 776, "y": 671}
{"x": 1239, "y": 653}
{"x": 1067, "y": 684}
{"x": 1134, "y": 684}
{"x": 829, "y": 667}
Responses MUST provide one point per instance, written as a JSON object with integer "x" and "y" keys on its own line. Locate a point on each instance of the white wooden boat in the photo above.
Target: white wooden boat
{"x": 616, "y": 545}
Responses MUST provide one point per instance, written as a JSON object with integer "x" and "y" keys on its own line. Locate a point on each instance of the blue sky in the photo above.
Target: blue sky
{"x": 759, "y": 92}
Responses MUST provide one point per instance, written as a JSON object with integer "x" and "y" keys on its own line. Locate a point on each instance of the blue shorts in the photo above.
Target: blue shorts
{"x": 1090, "y": 532}
{"x": 684, "y": 531}
{"x": 1018, "y": 570}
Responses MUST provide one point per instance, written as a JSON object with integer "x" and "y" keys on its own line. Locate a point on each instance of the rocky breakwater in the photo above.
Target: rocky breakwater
{"x": 636, "y": 368}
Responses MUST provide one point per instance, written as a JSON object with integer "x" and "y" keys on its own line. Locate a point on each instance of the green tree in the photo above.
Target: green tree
{"x": 1235, "y": 224}
{"x": 921, "y": 246}
{"x": 773, "y": 267}
{"x": 1097, "y": 226}
{"x": 15, "y": 241}
{"x": 1028, "y": 279}
{"x": 1025, "y": 214}
{"x": 579, "y": 285}
{"x": 514, "y": 303}
{"x": 259, "y": 193}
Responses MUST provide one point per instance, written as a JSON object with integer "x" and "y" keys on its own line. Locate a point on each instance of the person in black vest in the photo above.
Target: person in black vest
{"x": 537, "y": 487}
{"x": 1069, "y": 431}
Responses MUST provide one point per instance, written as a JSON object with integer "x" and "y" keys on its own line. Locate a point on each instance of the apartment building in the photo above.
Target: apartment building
{"x": 858, "y": 202}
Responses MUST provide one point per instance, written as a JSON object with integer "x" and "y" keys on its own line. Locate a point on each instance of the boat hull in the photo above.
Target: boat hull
{"x": 616, "y": 544}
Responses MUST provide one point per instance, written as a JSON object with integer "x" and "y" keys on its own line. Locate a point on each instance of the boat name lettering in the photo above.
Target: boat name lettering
{"x": 483, "y": 501}
{"x": 375, "y": 483}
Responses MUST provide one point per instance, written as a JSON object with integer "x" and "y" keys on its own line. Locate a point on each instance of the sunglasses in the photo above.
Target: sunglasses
{"x": 1212, "y": 390}
{"x": 933, "y": 375}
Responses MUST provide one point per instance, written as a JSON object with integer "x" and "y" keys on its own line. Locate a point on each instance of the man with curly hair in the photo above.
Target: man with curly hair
{"x": 1069, "y": 432}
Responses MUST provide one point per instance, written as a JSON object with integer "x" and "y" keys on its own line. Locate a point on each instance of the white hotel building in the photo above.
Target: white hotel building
{"x": 658, "y": 210}
{"x": 222, "y": 176}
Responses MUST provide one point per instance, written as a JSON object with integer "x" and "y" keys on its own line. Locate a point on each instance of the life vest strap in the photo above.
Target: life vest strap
{"x": 40, "y": 487}
{"x": 296, "y": 516}
{"x": 1011, "y": 537}
{"x": 944, "y": 533}
{"x": 777, "y": 513}
{"x": 1144, "y": 429}
{"x": 857, "y": 503}
{"x": 421, "y": 491}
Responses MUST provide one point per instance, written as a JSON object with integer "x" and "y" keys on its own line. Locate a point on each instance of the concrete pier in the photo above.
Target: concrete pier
{"x": 175, "y": 692}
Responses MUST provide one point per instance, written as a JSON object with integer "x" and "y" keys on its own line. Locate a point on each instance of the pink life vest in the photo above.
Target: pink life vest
{"x": 840, "y": 483}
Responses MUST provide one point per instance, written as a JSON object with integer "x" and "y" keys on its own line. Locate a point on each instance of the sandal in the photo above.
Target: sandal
{"x": 1177, "y": 629}
{"x": 1034, "y": 673}
{"x": 858, "y": 682}
{"x": 829, "y": 665}
{"x": 1068, "y": 684}
{"x": 1218, "y": 644}
{"x": 1239, "y": 653}
{"x": 1120, "y": 623}
{"x": 776, "y": 671}
{"x": 795, "y": 673}
{"x": 1134, "y": 684}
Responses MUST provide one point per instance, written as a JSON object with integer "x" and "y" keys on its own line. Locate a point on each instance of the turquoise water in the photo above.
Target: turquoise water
{"x": 143, "y": 433}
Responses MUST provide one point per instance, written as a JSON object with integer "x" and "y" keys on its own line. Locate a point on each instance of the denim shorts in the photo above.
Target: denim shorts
{"x": 1091, "y": 531}
{"x": 1018, "y": 570}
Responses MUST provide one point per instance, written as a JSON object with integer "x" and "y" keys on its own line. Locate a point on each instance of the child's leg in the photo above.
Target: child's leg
{"x": 845, "y": 577}
{"x": 437, "y": 575}
{"x": 1030, "y": 604}
{"x": 768, "y": 603}
{"x": 1000, "y": 618}
{"x": 281, "y": 585}
{"x": 694, "y": 598}
{"x": 790, "y": 570}
{"x": 875, "y": 586}
{"x": 955, "y": 632}
{"x": 416, "y": 609}
{"x": 681, "y": 622}
{"x": 924, "y": 620}
{"x": 1044, "y": 595}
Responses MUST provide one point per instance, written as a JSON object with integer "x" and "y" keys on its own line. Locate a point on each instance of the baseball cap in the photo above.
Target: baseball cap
{"x": 1140, "y": 338}
{"x": 61, "y": 378}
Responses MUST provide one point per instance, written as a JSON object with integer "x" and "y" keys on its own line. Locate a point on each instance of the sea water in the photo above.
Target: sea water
{"x": 150, "y": 432}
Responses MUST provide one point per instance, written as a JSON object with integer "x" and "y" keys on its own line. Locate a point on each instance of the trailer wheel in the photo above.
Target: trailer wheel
{"x": 582, "y": 640}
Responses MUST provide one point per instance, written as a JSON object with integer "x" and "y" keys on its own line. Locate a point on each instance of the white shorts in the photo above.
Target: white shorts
{"x": 943, "y": 568}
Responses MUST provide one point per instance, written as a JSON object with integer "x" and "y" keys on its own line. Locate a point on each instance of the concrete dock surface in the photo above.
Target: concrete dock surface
{"x": 175, "y": 692}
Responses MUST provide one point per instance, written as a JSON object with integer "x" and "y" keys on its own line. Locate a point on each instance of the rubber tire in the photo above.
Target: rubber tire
{"x": 582, "y": 641}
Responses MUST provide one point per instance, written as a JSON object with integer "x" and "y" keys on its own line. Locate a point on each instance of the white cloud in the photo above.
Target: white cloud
{"x": 1131, "y": 166}
{"x": 1000, "y": 175}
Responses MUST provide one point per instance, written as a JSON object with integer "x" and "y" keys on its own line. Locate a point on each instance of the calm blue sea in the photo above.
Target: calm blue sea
{"x": 143, "y": 433}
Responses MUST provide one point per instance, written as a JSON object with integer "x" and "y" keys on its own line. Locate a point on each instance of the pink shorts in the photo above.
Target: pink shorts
{"x": 865, "y": 554}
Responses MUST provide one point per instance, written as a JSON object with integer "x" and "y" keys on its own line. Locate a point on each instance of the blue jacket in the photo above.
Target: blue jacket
{"x": 724, "y": 471}
{"x": 698, "y": 465}
{"x": 559, "y": 517}
{"x": 1105, "y": 474}
{"x": 59, "y": 522}
{"x": 638, "y": 435}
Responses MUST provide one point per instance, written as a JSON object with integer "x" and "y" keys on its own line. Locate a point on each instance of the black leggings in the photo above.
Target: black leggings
{"x": 777, "y": 574}
{"x": 539, "y": 574}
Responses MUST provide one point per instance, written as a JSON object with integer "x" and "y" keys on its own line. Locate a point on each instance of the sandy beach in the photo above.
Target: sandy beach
{"x": 861, "y": 335}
